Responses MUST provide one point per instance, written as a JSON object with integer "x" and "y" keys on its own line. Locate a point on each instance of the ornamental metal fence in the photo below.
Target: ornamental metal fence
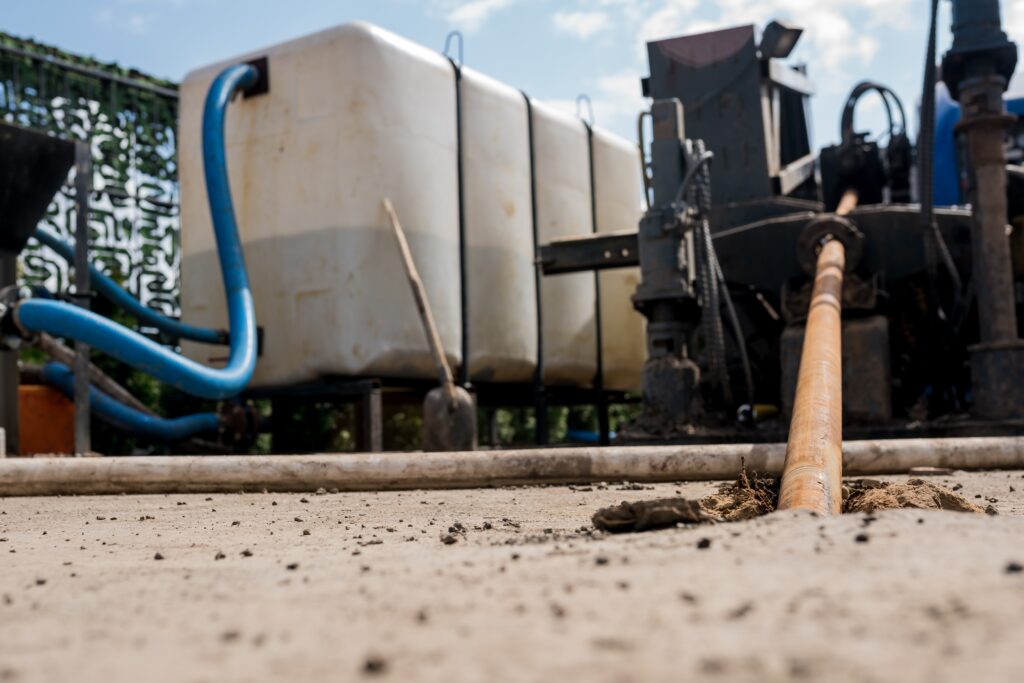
{"x": 130, "y": 119}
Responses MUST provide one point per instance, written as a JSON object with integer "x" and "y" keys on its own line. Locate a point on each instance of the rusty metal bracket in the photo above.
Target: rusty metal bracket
{"x": 591, "y": 252}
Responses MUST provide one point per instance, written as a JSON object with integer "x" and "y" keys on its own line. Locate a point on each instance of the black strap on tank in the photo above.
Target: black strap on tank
{"x": 539, "y": 398}
{"x": 602, "y": 398}
{"x": 463, "y": 376}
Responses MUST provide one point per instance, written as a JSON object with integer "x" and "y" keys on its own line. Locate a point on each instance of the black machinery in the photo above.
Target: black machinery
{"x": 738, "y": 204}
{"x": 32, "y": 169}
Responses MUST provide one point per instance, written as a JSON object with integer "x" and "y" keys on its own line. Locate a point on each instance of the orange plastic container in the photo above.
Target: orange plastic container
{"x": 46, "y": 421}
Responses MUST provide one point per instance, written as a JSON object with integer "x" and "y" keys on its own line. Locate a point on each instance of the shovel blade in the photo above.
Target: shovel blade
{"x": 448, "y": 427}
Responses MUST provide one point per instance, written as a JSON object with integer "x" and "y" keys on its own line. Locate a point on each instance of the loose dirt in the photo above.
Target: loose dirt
{"x": 751, "y": 495}
{"x": 647, "y": 515}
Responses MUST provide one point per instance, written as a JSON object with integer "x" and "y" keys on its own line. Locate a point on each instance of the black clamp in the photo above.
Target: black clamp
{"x": 819, "y": 231}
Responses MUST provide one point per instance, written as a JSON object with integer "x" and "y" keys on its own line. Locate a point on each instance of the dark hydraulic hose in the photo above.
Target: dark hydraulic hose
{"x": 935, "y": 244}
{"x": 129, "y": 420}
{"x": 699, "y": 176}
{"x": 65, "y": 320}
{"x": 114, "y": 293}
{"x": 712, "y": 320}
{"x": 737, "y": 328}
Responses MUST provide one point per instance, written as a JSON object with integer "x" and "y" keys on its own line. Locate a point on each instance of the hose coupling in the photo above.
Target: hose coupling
{"x": 239, "y": 424}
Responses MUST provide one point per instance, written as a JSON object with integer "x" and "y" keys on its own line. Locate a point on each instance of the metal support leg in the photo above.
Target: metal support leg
{"x": 281, "y": 410}
{"x": 370, "y": 417}
{"x": 83, "y": 189}
{"x": 9, "y": 379}
{"x": 492, "y": 430}
{"x": 540, "y": 415}
{"x": 603, "y": 419}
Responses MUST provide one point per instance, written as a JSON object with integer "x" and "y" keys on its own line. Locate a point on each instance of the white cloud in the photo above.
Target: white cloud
{"x": 617, "y": 101}
{"x": 581, "y": 24}
{"x": 668, "y": 20}
{"x": 830, "y": 32}
{"x": 136, "y": 17}
{"x": 139, "y": 23}
{"x": 470, "y": 16}
{"x": 1013, "y": 23}
{"x": 1013, "y": 19}
{"x": 836, "y": 32}
{"x": 568, "y": 107}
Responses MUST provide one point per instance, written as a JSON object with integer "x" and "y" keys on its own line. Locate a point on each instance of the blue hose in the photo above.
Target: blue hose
{"x": 128, "y": 419}
{"x": 114, "y": 293}
{"x": 66, "y": 320}
{"x": 585, "y": 436}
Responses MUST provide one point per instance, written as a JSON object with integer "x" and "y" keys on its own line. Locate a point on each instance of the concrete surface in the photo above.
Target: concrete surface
{"x": 371, "y": 592}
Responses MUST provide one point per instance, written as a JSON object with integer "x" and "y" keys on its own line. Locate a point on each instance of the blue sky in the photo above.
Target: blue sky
{"x": 553, "y": 49}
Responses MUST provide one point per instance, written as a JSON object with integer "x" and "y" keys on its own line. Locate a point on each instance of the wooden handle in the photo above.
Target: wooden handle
{"x": 419, "y": 292}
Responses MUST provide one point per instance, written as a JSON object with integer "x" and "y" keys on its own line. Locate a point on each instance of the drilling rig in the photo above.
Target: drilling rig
{"x": 742, "y": 213}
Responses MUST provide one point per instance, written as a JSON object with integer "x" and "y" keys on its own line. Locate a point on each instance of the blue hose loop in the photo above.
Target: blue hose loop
{"x": 66, "y": 320}
{"x": 128, "y": 419}
{"x": 114, "y": 293}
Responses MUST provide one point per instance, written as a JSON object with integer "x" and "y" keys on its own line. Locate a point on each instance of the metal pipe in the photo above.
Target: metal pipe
{"x": 993, "y": 272}
{"x": 812, "y": 478}
{"x": 977, "y": 68}
{"x": 405, "y": 471}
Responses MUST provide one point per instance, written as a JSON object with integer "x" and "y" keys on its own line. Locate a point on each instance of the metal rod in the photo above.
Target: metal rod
{"x": 99, "y": 74}
{"x": 83, "y": 189}
{"x": 57, "y": 351}
{"x": 475, "y": 469}
{"x": 812, "y": 478}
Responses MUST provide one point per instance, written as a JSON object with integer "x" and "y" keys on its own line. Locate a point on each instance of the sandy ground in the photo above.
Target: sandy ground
{"x": 360, "y": 586}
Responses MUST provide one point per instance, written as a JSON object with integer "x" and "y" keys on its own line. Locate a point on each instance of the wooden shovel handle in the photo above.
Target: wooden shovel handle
{"x": 419, "y": 292}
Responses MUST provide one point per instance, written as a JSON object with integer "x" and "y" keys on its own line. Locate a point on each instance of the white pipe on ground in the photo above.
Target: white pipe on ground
{"x": 393, "y": 471}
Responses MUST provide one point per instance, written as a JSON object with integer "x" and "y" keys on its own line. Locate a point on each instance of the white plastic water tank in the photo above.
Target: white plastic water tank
{"x": 562, "y": 176}
{"x": 618, "y": 194}
{"x": 501, "y": 292}
{"x": 353, "y": 114}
